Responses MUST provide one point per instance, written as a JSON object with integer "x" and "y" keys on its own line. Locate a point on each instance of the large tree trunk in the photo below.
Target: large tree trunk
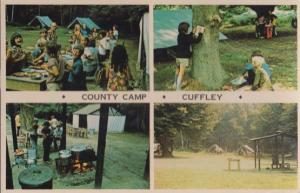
{"x": 12, "y": 13}
{"x": 103, "y": 122}
{"x": 26, "y": 116}
{"x": 206, "y": 63}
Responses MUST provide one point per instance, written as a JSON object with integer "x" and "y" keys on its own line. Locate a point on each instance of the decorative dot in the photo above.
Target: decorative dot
{"x": 240, "y": 96}
{"x": 164, "y": 96}
{"x": 63, "y": 96}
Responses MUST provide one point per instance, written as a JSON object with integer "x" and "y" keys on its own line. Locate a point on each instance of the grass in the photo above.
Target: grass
{"x": 124, "y": 162}
{"x": 280, "y": 53}
{"x": 30, "y": 36}
{"x": 208, "y": 171}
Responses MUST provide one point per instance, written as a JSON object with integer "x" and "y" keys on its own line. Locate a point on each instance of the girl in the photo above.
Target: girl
{"x": 183, "y": 53}
{"x": 77, "y": 35}
{"x": 118, "y": 74}
{"x": 262, "y": 79}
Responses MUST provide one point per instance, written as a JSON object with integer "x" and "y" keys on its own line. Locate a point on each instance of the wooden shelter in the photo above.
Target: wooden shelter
{"x": 278, "y": 138}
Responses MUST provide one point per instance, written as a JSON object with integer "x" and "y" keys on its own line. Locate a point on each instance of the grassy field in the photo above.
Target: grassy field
{"x": 124, "y": 163}
{"x": 208, "y": 171}
{"x": 31, "y": 36}
{"x": 280, "y": 53}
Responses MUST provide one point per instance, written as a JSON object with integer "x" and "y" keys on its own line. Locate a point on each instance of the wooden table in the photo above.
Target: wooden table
{"x": 25, "y": 84}
{"x": 233, "y": 160}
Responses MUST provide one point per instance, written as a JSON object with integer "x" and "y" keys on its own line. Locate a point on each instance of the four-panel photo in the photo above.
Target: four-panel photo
{"x": 154, "y": 144}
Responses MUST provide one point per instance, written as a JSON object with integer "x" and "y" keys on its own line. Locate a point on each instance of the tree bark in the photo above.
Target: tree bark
{"x": 26, "y": 117}
{"x": 12, "y": 13}
{"x": 9, "y": 178}
{"x": 206, "y": 63}
{"x": 104, "y": 110}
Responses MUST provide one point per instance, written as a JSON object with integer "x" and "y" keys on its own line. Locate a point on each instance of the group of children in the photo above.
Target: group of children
{"x": 266, "y": 25}
{"x": 89, "y": 52}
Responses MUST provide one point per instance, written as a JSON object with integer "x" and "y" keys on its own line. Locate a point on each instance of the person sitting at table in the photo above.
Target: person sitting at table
{"x": 76, "y": 78}
{"x": 16, "y": 57}
{"x": 89, "y": 58}
{"x": 39, "y": 54}
{"x": 55, "y": 67}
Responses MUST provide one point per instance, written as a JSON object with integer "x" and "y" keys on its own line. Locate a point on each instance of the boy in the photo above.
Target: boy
{"x": 76, "y": 79}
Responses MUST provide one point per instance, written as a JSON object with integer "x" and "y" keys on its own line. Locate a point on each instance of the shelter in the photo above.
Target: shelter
{"x": 245, "y": 150}
{"x": 89, "y": 117}
{"x": 43, "y": 21}
{"x": 166, "y": 26}
{"x": 215, "y": 149}
{"x": 278, "y": 149}
{"x": 90, "y": 24}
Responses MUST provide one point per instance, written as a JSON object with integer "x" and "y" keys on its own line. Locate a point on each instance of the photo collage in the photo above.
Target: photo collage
{"x": 149, "y": 96}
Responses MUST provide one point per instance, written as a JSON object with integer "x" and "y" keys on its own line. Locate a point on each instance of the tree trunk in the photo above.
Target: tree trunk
{"x": 9, "y": 178}
{"x": 166, "y": 146}
{"x": 103, "y": 122}
{"x": 12, "y": 13}
{"x": 12, "y": 112}
{"x": 26, "y": 116}
{"x": 182, "y": 141}
{"x": 206, "y": 63}
{"x": 64, "y": 134}
{"x": 39, "y": 10}
{"x": 61, "y": 15}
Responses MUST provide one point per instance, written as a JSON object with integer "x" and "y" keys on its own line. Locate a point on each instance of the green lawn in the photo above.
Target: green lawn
{"x": 280, "y": 53}
{"x": 208, "y": 171}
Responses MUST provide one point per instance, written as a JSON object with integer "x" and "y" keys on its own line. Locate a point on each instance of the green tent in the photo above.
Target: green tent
{"x": 43, "y": 21}
{"x": 84, "y": 20}
{"x": 166, "y": 26}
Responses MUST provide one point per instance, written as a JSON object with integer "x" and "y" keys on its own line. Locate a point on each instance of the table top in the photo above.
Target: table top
{"x": 78, "y": 148}
{"x": 26, "y": 79}
{"x": 35, "y": 175}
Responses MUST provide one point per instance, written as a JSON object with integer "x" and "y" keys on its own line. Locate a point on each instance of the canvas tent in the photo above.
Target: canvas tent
{"x": 43, "y": 21}
{"x": 245, "y": 150}
{"x": 89, "y": 116}
{"x": 166, "y": 26}
{"x": 215, "y": 149}
{"x": 90, "y": 24}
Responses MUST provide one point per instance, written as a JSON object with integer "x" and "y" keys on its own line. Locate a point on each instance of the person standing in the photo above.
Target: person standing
{"x": 47, "y": 140}
{"x": 18, "y": 123}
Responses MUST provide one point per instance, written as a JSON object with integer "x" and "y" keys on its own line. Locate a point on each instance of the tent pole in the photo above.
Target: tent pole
{"x": 103, "y": 122}
{"x": 258, "y": 148}
{"x": 255, "y": 153}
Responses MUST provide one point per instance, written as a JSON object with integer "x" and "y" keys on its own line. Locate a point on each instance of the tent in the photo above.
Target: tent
{"x": 215, "y": 149}
{"x": 166, "y": 26}
{"x": 43, "y": 21}
{"x": 245, "y": 150}
{"x": 90, "y": 24}
{"x": 89, "y": 116}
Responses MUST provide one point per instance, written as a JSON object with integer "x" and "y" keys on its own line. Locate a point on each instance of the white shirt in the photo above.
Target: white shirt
{"x": 102, "y": 46}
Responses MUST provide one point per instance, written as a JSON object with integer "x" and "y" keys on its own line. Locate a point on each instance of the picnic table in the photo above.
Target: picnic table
{"x": 25, "y": 84}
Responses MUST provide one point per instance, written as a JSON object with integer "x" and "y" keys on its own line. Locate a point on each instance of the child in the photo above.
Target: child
{"x": 39, "y": 54}
{"x": 102, "y": 46}
{"x": 260, "y": 27}
{"x": 118, "y": 74}
{"x": 76, "y": 79}
{"x": 262, "y": 79}
{"x": 89, "y": 58}
{"x": 269, "y": 28}
{"x": 183, "y": 53}
{"x": 55, "y": 67}
{"x": 16, "y": 58}
{"x": 273, "y": 19}
{"x": 115, "y": 32}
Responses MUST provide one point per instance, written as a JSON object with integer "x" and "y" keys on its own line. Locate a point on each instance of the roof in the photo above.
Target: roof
{"x": 45, "y": 21}
{"x": 279, "y": 133}
{"x": 166, "y": 26}
{"x": 90, "y": 24}
{"x": 94, "y": 109}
